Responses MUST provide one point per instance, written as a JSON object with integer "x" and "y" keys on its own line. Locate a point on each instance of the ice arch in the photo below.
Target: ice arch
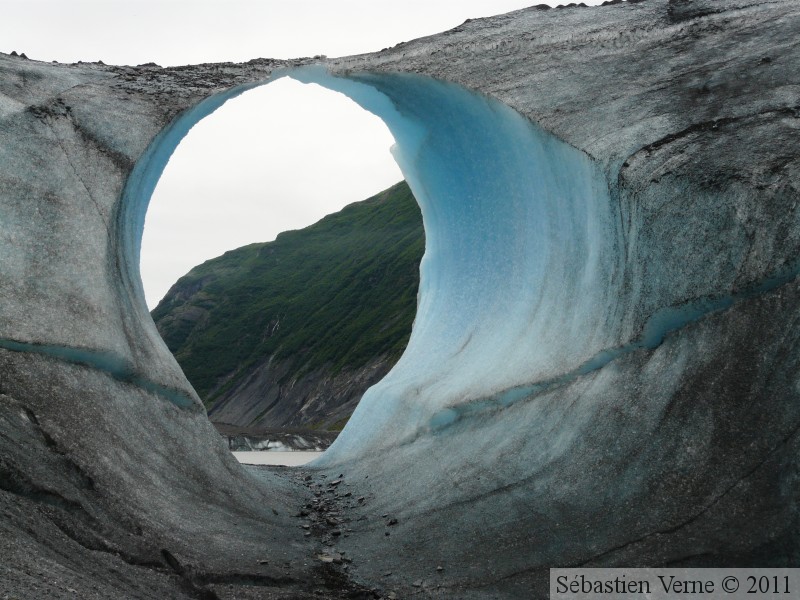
{"x": 517, "y": 280}
{"x": 519, "y": 269}
{"x": 682, "y": 455}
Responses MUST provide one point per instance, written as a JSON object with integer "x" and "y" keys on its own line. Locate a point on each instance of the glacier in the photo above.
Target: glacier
{"x": 603, "y": 367}
{"x": 521, "y": 259}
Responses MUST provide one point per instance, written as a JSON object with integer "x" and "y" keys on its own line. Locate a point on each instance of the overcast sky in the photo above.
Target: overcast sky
{"x": 276, "y": 158}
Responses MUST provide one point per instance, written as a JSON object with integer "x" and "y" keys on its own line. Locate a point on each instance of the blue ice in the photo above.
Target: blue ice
{"x": 518, "y": 276}
{"x": 520, "y": 266}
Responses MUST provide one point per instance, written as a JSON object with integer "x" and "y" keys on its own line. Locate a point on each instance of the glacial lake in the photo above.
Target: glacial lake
{"x": 289, "y": 459}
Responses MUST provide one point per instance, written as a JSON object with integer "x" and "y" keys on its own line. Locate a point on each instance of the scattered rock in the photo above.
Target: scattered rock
{"x": 332, "y": 557}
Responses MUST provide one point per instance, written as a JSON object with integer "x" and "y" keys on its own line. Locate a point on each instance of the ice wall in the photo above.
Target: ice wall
{"x": 675, "y": 449}
{"x": 520, "y": 268}
{"x": 521, "y": 283}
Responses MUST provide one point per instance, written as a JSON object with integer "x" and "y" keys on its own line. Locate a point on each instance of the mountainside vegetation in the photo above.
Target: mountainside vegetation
{"x": 325, "y": 310}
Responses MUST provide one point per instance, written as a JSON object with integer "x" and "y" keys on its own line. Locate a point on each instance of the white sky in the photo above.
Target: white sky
{"x": 276, "y": 158}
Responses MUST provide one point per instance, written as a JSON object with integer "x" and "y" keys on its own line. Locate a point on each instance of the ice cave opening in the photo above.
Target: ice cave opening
{"x": 521, "y": 266}
{"x": 276, "y": 158}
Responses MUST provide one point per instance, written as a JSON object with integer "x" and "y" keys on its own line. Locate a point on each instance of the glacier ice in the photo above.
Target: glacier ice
{"x": 519, "y": 259}
{"x": 520, "y": 266}
{"x": 681, "y": 449}
{"x": 521, "y": 281}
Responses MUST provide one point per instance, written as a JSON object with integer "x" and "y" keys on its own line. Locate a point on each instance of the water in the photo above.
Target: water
{"x": 289, "y": 459}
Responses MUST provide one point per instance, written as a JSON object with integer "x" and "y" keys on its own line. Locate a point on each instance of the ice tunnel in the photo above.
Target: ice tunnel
{"x": 519, "y": 271}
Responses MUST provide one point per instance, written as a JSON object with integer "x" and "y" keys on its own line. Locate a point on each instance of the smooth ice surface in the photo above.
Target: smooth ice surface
{"x": 106, "y": 362}
{"x": 518, "y": 273}
{"x": 520, "y": 282}
{"x": 519, "y": 268}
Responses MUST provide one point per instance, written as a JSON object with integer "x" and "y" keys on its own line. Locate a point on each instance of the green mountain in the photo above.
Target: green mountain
{"x": 292, "y": 332}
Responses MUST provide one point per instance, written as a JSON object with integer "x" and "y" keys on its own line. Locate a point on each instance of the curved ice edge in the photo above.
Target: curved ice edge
{"x": 659, "y": 325}
{"x": 106, "y": 362}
